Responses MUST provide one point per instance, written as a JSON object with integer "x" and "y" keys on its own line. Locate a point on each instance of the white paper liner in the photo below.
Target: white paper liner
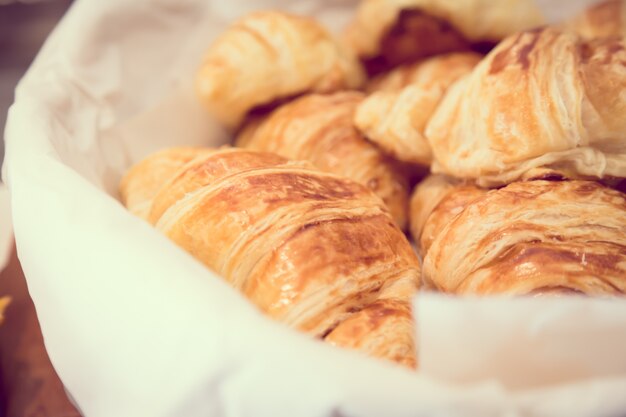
{"x": 523, "y": 343}
{"x": 136, "y": 327}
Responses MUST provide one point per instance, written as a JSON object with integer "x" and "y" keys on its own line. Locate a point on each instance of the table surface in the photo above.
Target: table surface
{"x": 30, "y": 386}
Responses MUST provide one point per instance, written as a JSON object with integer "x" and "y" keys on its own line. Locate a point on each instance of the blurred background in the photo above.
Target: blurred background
{"x": 24, "y": 25}
{"x": 29, "y": 386}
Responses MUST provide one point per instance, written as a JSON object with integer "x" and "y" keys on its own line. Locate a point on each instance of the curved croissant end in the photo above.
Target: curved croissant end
{"x": 603, "y": 20}
{"x": 542, "y": 98}
{"x": 405, "y": 30}
{"x": 534, "y": 237}
{"x": 434, "y": 203}
{"x": 144, "y": 180}
{"x": 267, "y": 56}
{"x": 319, "y": 128}
{"x": 312, "y": 250}
{"x": 396, "y": 114}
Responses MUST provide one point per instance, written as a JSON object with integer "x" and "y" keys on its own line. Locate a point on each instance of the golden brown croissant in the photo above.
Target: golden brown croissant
{"x": 396, "y": 114}
{"x": 542, "y": 98}
{"x": 319, "y": 128}
{"x": 534, "y": 237}
{"x": 311, "y": 249}
{"x": 434, "y": 203}
{"x": 605, "y": 19}
{"x": 386, "y": 33}
{"x": 268, "y": 56}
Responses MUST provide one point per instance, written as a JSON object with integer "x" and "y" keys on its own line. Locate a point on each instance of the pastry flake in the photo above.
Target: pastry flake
{"x": 313, "y": 250}
{"x": 395, "y": 115}
{"x": 319, "y": 128}
{"x": 434, "y": 203}
{"x": 542, "y": 98}
{"x": 267, "y": 56}
{"x": 534, "y": 237}
{"x": 386, "y": 33}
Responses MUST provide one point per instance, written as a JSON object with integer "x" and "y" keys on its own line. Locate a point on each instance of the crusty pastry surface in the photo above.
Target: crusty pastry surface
{"x": 142, "y": 182}
{"x": 534, "y": 237}
{"x": 605, "y": 19}
{"x": 311, "y": 249}
{"x": 542, "y": 98}
{"x": 267, "y": 56}
{"x": 429, "y": 27}
{"x": 395, "y": 115}
{"x": 434, "y": 203}
{"x": 433, "y": 73}
{"x": 319, "y": 128}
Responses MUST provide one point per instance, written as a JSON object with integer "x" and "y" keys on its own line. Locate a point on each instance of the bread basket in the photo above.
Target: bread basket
{"x": 136, "y": 327}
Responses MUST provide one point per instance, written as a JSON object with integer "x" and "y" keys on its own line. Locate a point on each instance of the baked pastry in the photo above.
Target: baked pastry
{"x": 534, "y": 237}
{"x": 138, "y": 190}
{"x": 603, "y": 20}
{"x": 542, "y": 98}
{"x": 319, "y": 128}
{"x": 439, "y": 198}
{"x": 268, "y": 56}
{"x": 403, "y": 100}
{"x": 296, "y": 241}
{"x": 433, "y": 73}
{"x": 434, "y": 203}
{"x": 386, "y": 33}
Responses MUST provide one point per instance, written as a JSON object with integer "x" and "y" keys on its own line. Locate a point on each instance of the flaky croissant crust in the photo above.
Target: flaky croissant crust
{"x": 145, "y": 179}
{"x": 476, "y": 20}
{"x": 432, "y": 73}
{"x": 296, "y": 241}
{"x": 533, "y": 237}
{"x": 434, "y": 203}
{"x": 402, "y": 102}
{"x": 541, "y": 98}
{"x": 270, "y": 55}
{"x": 319, "y": 128}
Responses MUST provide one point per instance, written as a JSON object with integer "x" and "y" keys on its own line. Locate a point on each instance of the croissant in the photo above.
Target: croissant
{"x": 603, "y": 20}
{"x": 319, "y": 128}
{"x": 543, "y": 98}
{"x": 434, "y": 203}
{"x": 439, "y": 198}
{"x": 396, "y": 114}
{"x": 313, "y": 250}
{"x": 268, "y": 56}
{"x": 386, "y": 33}
{"x": 534, "y": 237}
{"x": 138, "y": 190}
